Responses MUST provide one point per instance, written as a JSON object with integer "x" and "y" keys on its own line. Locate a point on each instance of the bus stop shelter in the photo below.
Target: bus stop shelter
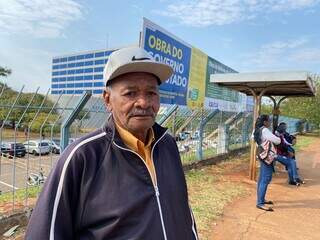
{"x": 275, "y": 85}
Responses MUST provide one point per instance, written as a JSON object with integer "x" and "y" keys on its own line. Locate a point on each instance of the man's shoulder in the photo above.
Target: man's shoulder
{"x": 91, "y": 141}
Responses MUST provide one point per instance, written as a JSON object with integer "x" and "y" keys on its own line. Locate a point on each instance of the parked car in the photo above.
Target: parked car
{"x": 54, "y": 145}
{"x": 37, "y": 147}
{"x": 11, "y": 149}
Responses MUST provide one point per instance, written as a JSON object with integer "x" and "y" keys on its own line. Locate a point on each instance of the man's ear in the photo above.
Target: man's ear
{"x": 106, "y": 97}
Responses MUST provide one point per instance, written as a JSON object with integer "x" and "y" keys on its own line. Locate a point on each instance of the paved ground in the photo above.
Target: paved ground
{"x": 297, "y": 210}
{"x": 14, "y": 172}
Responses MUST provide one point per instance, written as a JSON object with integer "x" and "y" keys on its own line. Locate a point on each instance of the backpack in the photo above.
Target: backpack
{"x": 266, "y": 151}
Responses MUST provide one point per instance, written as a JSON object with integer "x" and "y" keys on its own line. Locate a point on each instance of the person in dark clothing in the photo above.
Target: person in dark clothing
{"x": 286, "y": 147}
{"x": 125, "y": 180}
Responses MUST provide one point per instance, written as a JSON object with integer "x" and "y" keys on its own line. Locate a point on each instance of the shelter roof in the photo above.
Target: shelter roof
{"x": 292, "y": 83}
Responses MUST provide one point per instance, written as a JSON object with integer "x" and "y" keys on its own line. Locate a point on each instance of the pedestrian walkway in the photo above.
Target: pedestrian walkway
{"x": 297, "y": 209}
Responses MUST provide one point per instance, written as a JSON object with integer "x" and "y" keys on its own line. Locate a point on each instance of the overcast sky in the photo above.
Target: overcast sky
{"x": 247, "y": 35}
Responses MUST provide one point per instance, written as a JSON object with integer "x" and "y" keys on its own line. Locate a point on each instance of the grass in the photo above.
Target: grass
{"x": 190, "y": 157}
{"x": 304, "y": 141}
{"x": 20, "y": 194}
{"x": 210, "y": 191}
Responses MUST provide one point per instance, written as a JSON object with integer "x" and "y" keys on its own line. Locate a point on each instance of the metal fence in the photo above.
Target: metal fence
{"x": 35, "y": 128}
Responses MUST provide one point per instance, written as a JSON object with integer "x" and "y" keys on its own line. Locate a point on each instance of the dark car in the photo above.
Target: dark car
{"x": 11, "y": 149}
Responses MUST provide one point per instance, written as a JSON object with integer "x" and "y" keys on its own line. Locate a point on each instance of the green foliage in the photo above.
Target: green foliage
{"x": 4, "y": 72}
{"x": 8, "y": 98}
{"x": 304, "y": 108}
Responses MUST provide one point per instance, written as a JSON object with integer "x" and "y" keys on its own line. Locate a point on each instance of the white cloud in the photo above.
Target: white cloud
{"x": 201, "y": 13}
{"x": 281, "y": 55}
{"x": 44, "y": 19}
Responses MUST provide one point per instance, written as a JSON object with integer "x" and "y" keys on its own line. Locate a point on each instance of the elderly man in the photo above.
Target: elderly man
{"x": 124, "y": 181}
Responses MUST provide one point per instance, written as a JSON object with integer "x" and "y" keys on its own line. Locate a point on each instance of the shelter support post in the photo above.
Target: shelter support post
{"x": 256, "y": 112}
{"x": 64, "y": 138}
{"x": 276, "y": 111}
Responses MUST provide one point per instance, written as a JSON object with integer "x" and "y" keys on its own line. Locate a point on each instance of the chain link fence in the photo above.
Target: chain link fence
{"x": 35, "y": 128}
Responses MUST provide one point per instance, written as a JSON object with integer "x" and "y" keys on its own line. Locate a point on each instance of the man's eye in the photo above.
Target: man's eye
{"x": 129, "y": 94}
{"x": 153, "y": 93}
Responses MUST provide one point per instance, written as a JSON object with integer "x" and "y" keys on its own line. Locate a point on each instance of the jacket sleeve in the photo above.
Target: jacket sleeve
{"x": 53, "y": 215}
{"x": 268, "y": 135}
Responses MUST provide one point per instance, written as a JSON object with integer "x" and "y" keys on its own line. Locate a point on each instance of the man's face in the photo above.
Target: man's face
{"x": 134, "y": 101}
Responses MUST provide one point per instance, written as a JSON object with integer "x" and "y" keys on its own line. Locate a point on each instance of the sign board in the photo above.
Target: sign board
{"x": 190, "y": 84}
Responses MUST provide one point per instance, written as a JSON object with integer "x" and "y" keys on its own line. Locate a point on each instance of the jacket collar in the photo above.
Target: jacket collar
{"x": 111, "y": 131}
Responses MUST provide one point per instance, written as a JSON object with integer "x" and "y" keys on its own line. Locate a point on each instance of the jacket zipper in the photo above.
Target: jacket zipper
{"x": 155, "y": 185}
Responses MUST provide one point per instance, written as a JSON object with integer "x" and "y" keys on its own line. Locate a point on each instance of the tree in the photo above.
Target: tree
{"x": 304, "y": 107}
{"x": 4, "y": 72}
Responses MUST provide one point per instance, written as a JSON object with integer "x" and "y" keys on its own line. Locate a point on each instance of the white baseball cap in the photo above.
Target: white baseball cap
{"x": 134, "y": 59}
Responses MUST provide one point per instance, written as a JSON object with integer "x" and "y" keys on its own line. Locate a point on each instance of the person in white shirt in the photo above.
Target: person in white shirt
{"x": 262, "y": 136}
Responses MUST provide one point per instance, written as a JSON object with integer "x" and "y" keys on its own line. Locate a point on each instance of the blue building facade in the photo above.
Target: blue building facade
{"x": 76, "y": 73}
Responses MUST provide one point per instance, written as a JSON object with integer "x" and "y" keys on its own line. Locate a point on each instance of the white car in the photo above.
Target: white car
{"x": 54, "y": 145}
{"x": 37, "y": 147}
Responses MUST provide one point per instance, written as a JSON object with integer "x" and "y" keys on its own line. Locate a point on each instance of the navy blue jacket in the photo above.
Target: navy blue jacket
{"x": 101, "y": 190}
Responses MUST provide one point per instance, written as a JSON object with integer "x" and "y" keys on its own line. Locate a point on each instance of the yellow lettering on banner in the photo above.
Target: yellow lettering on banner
{"x": 161, "y": 45}
{"x": 158, "y": 46}
{"x": 152, "y": 41}
{"x": 197, "y": 78}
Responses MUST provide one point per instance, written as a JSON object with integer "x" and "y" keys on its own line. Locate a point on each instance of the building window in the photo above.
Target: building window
{"x": 79, "y": 57}
{"x": 98, "y": 84}
{"x": 70, "y": 78}
{"x": 62, "y": 79}
{"x": 62, "y": 85}
{"x": 70, "y": 91}
{"x": 80, "y": 64}
{"x": 63, "y": 72}
{"x": 106, "y": 60}
{"x": 71, "y": 65}
{"x": 88, "y": 77}
{"x": 78, "y": 78}
{"x": 90, "y": 55}
{"x": 101, "y": 61}
{"x": 78, "y": 91}
{"x": 63, "y": 66}
{"x": 107, "y": 53}
{"x": 88, "y": 70}
{"x": 87, "y": 84}
{"x": 70, "y": 85}
{"x": 79, "y": 71}
{"x": 63, "y": 59}
{"x": 56, "y": 60}
{"x": 55, "y": 67}
{"x": 71, "y": 58}
{"x": 99, "y": 54}
{"x": 55, "y": 86}
{"x": 97, "y": 91}
{"x": 71, "y": 71}
{"x": 78, "y": 85}
{"x": 54, "y": 92}
{"x": 55, "y": 79}
{"x": 100, "y": 76}
{"x": 98, "y": 69}
{"x": 88, "y": 63}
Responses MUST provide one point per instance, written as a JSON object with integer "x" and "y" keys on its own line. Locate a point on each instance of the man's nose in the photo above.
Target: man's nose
{"x": 143, "y": 101}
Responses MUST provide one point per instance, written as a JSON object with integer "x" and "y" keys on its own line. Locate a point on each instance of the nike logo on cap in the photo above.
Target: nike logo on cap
{"x": 139, "y": 59}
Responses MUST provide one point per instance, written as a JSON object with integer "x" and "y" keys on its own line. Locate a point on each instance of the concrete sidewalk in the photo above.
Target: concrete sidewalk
{"x": 297, "y": 209}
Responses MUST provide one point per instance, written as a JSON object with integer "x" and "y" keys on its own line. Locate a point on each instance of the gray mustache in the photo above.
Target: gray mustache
{"x": 142, "y": 112}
